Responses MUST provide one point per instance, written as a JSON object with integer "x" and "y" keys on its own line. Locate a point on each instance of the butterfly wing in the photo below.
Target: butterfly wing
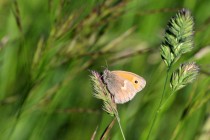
{"x": 120, "y": 86}
{"x": 137, "y": 81}
{"x": 113, "y": 82}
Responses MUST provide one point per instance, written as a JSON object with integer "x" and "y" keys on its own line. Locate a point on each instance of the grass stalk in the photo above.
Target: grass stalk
{"x": 177, "y": 129}
{"x": 107, "y": 130}
{"x": 159, "y": 106}
{"x": 118, "y": 120}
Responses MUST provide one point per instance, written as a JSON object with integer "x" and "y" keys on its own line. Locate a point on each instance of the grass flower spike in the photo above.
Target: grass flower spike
{"x": 178, "y": 37}
{"x": 101, "y": 92}
{"x": 177, "y": 41}
{"x": 185, "y": 74}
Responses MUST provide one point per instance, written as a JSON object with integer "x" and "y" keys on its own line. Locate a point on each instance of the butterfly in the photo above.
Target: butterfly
{"x": 123, "y": 85}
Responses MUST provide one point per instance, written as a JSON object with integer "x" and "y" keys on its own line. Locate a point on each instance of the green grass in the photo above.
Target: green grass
{"x": 48, "y": 47}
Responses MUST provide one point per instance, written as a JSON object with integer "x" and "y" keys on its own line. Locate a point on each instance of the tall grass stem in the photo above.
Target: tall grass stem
{"x": 159, "y": 106}
{"x": 177, "y": 129}
{"x": 118, "y": 120}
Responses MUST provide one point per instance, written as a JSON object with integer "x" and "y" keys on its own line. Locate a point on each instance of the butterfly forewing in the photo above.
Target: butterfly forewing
{"x": 137, "y": 81}
{"x": 123, "y": 85}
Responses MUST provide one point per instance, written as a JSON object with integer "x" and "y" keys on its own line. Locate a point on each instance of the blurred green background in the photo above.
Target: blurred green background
{"x": 48, "y": 47}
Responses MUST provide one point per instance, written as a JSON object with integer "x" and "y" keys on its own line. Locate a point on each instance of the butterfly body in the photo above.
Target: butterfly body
{"x": 123, "y": 85}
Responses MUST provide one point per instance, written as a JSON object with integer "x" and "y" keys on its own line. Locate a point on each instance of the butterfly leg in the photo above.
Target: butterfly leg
{"x": 112, "y": 97}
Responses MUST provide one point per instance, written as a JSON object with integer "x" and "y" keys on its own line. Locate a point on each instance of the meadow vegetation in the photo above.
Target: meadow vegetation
{"x": 47, "y": 49}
